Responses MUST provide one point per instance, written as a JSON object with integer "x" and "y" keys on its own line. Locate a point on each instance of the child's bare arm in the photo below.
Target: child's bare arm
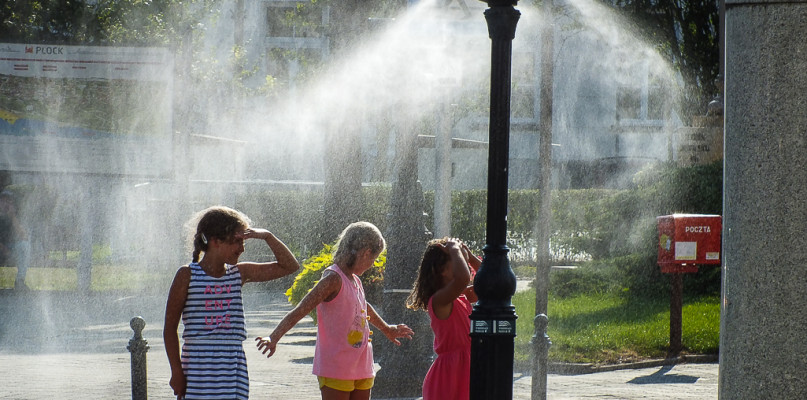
{"x": 327, "y": 288}
{"x": 261, "y": 272}
{"x": 392, "y": 332}
{"x": 474, "y": 262}
{"x": 173, "y": 312}
{"x": 443, "y": 299}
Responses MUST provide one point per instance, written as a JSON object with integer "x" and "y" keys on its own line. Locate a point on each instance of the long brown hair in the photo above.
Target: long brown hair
{"x": 429, "y": 279}
{"x": 217, "y": 222}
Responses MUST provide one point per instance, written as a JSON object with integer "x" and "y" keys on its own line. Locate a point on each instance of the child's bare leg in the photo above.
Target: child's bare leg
{"x": 360, "y": 394}
{"x": 333, "y": 394}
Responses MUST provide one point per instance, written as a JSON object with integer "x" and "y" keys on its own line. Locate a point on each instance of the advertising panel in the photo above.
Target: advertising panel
{"x": 84, "y": 109}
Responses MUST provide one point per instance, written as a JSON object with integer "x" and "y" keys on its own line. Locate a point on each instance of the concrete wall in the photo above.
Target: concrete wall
{"x": 763, "y": 321}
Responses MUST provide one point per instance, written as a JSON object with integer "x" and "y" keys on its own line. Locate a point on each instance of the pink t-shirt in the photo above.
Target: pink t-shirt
{"x": 343, "y": 349}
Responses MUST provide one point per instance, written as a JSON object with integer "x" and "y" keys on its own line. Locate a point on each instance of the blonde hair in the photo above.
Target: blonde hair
{"x": 356, "y": 237}
{"x": 217, "y": 222}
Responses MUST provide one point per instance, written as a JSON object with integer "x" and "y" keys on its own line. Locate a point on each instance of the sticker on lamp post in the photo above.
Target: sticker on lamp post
{"x": 481, "y": 326}
{"x": 502, "y": 327}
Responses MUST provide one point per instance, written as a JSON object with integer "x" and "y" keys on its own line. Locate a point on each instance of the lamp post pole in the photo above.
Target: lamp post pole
{"x": 493, "y": 320}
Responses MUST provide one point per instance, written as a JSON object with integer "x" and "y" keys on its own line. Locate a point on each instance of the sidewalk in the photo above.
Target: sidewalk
{"x": 67, "y": 346}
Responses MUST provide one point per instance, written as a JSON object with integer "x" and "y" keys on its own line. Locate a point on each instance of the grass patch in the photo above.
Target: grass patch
{"x": 607, "y": 328}
{"x": 104, "y": 278}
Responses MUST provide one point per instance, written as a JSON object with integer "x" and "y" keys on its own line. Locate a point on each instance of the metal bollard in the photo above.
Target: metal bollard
{"x": 540, "y": 352}
{"x": 138, "y": 347}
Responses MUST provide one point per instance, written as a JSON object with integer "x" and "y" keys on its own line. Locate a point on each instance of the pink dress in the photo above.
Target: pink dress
{"x": 449, "y": 377}
{"x": 343, "y": 349}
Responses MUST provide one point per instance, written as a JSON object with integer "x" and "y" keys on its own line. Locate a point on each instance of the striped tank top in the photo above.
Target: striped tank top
{"x": 212, "y": 352}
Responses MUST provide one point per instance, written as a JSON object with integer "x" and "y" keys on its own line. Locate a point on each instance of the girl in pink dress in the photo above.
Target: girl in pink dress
{"x": 443, "y": 288}
{"x": 343, "y": 356}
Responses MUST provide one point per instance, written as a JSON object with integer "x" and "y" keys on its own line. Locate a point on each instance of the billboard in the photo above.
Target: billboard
{"x": 84, "y": 109}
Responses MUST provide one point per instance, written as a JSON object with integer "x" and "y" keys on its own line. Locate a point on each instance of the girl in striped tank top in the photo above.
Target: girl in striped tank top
{"x": 206, "y": 295}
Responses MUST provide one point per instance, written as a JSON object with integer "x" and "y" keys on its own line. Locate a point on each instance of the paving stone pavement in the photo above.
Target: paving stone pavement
{"x": 69, "y": 346}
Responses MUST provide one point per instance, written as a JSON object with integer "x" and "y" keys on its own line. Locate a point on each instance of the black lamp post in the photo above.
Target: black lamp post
{"x": 493, "y": 320}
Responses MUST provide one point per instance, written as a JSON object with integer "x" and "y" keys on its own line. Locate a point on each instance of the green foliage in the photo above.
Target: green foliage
{"x": 104, "y": 22}
{"x": 468, "y": 213}
{"x": 583, "y": 222}
{"x": 588, "y": 278}
{"x": 46, "y": 21}
{"x": 292, "y": 215}
{"x": 618, "y": 228}
{"x": 610, "y": 234}
{"x": 312, "y": 268}
{"x": 376, "y": 205}
{"x": 113, "y": 106}
{"x": 686, "y": 32}
{"x": 180, "y": 25}
{"x": 309, "y": 276}
{"x": 639, "y": 275}
{"x": 668, "y": 189}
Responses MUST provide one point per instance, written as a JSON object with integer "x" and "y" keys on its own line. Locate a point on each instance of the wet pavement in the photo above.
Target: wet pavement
{"x": 71, "y": 346}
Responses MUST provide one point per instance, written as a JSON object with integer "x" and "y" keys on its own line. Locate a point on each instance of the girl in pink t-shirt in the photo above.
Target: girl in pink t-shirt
{"x": 343, "y": 357}
{"x": 443, "y": 288}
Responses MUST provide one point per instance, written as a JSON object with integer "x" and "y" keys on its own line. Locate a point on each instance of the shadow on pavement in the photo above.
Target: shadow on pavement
{"x": 661, "y": 377}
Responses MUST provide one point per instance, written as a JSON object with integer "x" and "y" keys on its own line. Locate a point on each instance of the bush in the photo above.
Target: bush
{"x": 372, "y": 280}
{"x": 588, "y": 278}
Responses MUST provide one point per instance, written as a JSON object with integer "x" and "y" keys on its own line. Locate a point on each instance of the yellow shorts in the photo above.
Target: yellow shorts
{"x": 346, "y": 385}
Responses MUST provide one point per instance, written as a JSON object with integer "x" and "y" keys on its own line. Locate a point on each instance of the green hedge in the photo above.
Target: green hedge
{"x": 611, "y": 234}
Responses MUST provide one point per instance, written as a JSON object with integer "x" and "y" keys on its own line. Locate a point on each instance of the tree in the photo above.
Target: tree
{"x": 686, "y": 32}
{"x": 44, "y": 21}
{"x": 101, "y": 22}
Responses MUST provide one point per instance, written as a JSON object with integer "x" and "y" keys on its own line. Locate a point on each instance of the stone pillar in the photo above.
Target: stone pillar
{"x": 138, "y": 348}
{"x": 763, "y": 318}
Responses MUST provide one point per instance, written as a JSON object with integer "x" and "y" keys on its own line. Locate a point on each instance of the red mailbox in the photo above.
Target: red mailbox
{"x": 686, "y": 240}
